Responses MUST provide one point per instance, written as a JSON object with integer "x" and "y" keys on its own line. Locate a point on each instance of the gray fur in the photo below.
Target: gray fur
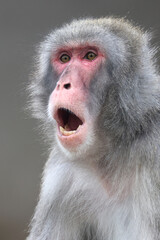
{"x": 112, "y": 190}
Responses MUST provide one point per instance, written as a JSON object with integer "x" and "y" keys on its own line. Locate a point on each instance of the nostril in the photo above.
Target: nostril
{"x": 67, "y": 86}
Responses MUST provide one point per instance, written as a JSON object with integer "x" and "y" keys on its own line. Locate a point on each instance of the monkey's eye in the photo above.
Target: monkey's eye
{"x": 90, "y": 56}
{"x": 65, "y": 58}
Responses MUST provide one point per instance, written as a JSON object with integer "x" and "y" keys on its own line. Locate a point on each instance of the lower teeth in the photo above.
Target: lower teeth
{"x": 65, "y": 131}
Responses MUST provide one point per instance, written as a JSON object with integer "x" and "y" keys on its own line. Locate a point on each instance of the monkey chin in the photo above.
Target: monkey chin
{"x": 78, "y": 145}
{"x": 72, "y": 139}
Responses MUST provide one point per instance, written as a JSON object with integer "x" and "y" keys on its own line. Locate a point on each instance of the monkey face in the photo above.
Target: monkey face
{"x": 68, "y": 103}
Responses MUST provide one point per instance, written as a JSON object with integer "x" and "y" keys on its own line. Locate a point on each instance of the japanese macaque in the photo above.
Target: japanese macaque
{"x": 96, "y": 90}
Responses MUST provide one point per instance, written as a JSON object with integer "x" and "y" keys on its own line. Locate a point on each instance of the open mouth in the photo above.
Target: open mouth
{"x": 69, "y": 123}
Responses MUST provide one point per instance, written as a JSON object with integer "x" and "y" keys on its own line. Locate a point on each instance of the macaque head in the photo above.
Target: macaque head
{"x": 86, "y": 82}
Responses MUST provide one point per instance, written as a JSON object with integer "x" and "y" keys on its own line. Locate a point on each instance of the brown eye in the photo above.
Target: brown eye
{"x": 65, "y": 58}
{"x": 90, "y": 56}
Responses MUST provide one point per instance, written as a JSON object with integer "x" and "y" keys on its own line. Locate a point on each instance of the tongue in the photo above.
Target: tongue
{"x": 73, "y": 122}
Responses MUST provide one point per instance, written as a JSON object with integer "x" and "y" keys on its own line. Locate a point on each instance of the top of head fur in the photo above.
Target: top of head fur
{"x": 94, "y": 31}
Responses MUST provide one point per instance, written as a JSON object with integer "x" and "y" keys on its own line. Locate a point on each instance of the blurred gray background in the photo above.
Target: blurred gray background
{"x": 22, "y": 153}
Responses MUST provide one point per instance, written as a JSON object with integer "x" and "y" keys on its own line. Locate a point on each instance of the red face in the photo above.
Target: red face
{"x": 75, "y": 68}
